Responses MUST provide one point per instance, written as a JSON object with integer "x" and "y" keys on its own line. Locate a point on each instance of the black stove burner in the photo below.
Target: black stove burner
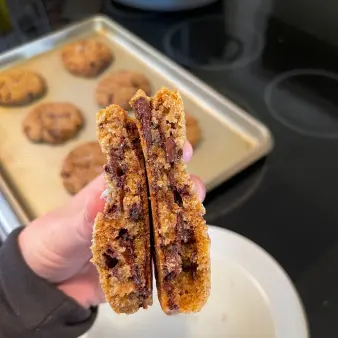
{"x": 213, "y": 43}
{"x": 237, "y": 191}
{"x": 306, "y": 101}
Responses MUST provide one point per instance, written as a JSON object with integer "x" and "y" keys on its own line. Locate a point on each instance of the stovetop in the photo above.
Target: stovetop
{"x": 278, "y": 60}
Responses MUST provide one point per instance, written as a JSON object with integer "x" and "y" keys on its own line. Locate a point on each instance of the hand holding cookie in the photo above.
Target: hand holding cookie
{"x": 56, "y": 245}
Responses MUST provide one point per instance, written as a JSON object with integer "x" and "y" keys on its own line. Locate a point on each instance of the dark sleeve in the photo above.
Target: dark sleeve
{"x": 30, "y": 307}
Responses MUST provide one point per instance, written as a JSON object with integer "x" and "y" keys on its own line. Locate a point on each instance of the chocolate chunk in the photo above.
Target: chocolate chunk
{"x": 170, "y": 276}
{"x": 173, "y": 307}
{"x": 128, "y": 243}
{"x": 184, "y": 191}
{"x": 170, "y": 147}
{"x": 129, "y": 255}
{"x": 119, "y": 171}
{"x": 179, "y": 227}
{"x": 190, "y": 268}
{"x": 142, "y": 111}
{"x": 114, "y": 168}
{"x": 112, "y": 209}
{"x": 107, "y": 169}
{"x": 168, "y": 286}
{"x": 135, "y": 211}
{"x": 179, "y": 154}
{"x": 172, "y": 260}
{"x": 135, "y": 271}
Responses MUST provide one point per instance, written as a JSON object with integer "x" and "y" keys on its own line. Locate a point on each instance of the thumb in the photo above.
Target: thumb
{"x": 92, "y": 203}
{"x": 57, "y": 245}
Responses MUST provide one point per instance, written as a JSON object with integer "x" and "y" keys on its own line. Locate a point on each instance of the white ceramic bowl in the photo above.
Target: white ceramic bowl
{"x": 251, "y": 297}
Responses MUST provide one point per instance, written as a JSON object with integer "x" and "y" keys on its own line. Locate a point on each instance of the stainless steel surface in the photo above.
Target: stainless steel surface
{"x": 232, "y": 139}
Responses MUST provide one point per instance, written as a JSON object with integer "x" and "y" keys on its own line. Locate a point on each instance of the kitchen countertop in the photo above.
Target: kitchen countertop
{"x": 277, "y": 59}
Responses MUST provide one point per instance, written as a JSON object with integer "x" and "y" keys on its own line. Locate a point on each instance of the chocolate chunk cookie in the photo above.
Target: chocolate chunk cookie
{"x": 81, "y": 166}
{"x": 181, "y": 241}
{"x": 52, "y": 122}
{"x": 119, "y": 87}
{"x": 121, "y": 238}
{"x": 19, "y": 87}
{"x": 193, "y": 129}
{"x": 86, "y": 58}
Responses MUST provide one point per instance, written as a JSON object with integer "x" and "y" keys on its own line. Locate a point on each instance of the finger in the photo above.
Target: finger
{"x": 84, "y": 287}
{"x": 200, "y": 187}
{"x": 97, "y": 184}
{"x": 187, "y": 152}
{"x": 93, "y": 204}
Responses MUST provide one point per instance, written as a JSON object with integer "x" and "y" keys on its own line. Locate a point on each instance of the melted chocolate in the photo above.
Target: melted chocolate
{"x": 172, "y": 261}
{"x": 173, "y": 307}
{"x": 135, "y": 211}
{"x": 142, "y": 110}
{"x": 170, "y": 147}
{"x": 114, "y": 167}
{"x": 129, "y": 255}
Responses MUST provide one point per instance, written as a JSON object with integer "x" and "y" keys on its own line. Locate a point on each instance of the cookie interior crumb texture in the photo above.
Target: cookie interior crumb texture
{"x": 119, "y": 87}
{"x": 180, "y": 234}
{"x": 121, "y": 237}
{"x": 81, "y": 166}
{"x": 53, "y": 123}
{"x": 18, "y": 87}
{"x": 87, "y": 58}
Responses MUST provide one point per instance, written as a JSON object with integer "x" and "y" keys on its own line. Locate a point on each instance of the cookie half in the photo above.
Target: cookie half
{"x": 181, "y": 241}
{"x": 121, "y": 238}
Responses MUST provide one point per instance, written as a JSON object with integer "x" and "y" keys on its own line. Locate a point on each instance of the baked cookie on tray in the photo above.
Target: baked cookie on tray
{"x": 119, "y": 87}
{"x": 18, "y": 87}
{"x": 87, "y": 58}
{"x": 81, "y": 166}
{"x": 121, "y": 235}
{"x": 193, "y": 130}
{"x": 181, "y": 241}
{"x": 53, "y": 123}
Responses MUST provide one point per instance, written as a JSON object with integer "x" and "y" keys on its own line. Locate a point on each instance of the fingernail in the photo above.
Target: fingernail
{"x": 187, "y": 151}
{"x": 200, "y": 187}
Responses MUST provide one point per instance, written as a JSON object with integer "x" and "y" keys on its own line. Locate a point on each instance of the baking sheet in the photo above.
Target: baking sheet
{"x": 231, "y": 140}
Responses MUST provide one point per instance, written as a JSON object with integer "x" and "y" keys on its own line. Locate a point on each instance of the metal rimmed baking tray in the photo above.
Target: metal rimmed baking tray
{"x": 30, "y": 180}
